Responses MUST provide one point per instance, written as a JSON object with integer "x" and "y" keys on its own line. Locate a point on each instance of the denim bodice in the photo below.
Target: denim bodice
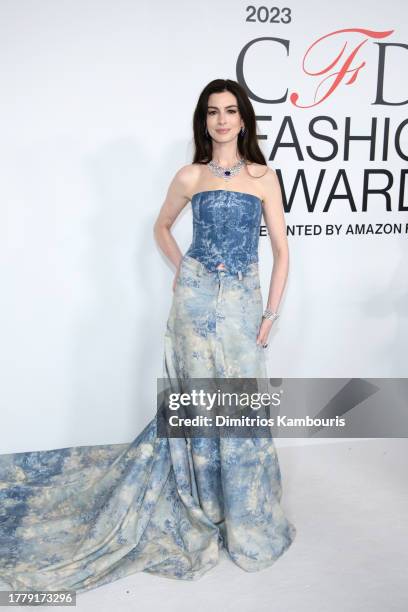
{"x": 225, "y": 229}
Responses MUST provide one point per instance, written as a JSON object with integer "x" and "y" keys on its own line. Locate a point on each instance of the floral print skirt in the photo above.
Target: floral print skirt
{"x": 80, "y": 517}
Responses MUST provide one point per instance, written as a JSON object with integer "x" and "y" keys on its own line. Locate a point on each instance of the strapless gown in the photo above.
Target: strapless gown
{"x": 80, "y": 517}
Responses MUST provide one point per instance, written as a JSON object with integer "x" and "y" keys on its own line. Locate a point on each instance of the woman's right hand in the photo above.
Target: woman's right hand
{"x": 175, "y": 279}
{"x": 177, "y": 273}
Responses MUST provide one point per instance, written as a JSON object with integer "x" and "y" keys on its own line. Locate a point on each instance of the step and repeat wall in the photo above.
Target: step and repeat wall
{"x": 97, "y": 100}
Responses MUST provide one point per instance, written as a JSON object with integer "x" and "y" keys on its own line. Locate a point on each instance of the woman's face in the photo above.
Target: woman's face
{"x": 223, "y": 117}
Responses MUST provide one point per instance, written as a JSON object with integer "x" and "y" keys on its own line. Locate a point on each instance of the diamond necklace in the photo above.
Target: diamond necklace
{"x": 225, "y": 173}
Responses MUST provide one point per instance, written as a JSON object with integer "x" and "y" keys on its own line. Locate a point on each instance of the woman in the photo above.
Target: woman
{"x": 80, "y": 517}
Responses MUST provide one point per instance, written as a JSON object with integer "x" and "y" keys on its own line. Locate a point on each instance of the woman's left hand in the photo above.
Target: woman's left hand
{"x": 265, "y": 328}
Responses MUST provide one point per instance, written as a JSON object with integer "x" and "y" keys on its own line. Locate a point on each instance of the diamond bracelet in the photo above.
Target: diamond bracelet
{"x": 269, "y": 314}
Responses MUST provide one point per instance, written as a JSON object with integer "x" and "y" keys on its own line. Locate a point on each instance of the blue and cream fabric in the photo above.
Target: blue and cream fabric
{"x": 225, "y": 228}
{"x": 80, "y": 517}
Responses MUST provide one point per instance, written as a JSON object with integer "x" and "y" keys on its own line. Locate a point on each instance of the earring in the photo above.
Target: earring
{"x": 206, "y": 131}
{"x": 242, "y": 131}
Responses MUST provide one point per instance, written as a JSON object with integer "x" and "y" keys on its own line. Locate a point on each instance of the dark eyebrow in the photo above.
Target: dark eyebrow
{"x": 230, "y": 106}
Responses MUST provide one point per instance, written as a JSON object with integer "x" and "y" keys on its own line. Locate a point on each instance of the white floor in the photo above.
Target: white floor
{"x": 349, "y": 502}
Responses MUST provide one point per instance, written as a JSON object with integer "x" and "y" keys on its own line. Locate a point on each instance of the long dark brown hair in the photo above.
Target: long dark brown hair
{"x": 247, "y": 143}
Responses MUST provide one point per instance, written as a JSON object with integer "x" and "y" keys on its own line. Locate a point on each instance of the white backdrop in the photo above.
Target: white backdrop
{"x": 96, "y": 117}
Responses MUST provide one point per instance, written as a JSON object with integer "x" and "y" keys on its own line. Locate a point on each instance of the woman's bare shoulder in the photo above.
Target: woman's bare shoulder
{"x": 189, "y": 171}
{"x": 257, "y": 170}
{"x": 187, "y": 177}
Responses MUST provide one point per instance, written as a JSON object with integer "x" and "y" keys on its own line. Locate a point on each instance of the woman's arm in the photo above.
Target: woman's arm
{"x": 275, "y": 222}
{"x": 176, "y": 199}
